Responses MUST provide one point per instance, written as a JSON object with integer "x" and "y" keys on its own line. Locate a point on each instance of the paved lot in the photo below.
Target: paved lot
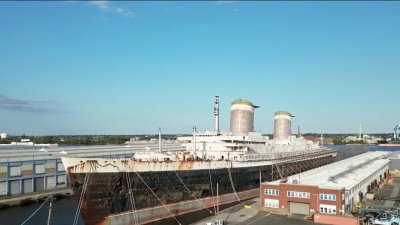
{"x": 391, "y": 194}
{"x": 263, "y": 218}
{"x": 240, "y": 215}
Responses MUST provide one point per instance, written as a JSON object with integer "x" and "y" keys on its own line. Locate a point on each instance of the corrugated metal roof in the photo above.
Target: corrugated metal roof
{"x": 16, "y": 153}
{"x": 345, "y": 173}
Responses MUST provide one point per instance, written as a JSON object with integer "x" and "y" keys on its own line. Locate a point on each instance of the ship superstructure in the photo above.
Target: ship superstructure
{"x": 153, "y": 185}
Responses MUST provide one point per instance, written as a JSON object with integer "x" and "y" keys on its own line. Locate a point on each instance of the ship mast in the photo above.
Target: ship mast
{"x": 194, "y": 139}
{"x": 216, "y": 115}
{"x": 159, "y": 139}
{"x": 322, "y": 139}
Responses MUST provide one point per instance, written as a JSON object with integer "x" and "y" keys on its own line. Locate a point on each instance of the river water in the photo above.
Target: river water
{"x": 63, "y": 213}
{"x": 64, "y": 210}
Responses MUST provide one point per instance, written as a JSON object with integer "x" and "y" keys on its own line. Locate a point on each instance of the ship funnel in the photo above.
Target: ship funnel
{"x": 242, "y": 117}
{"x": 282, "y": 125}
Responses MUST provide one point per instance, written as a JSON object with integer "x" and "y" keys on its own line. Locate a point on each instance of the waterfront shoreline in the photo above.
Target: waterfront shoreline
{"x": 30, "y": 198}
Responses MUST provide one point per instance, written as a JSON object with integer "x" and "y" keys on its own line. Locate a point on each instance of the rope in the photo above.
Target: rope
{"x": 85, "y": 182}
{"x": 49, "y": 198}
{"x": 233, "y": 186}
{"x": 192, "y": 193}
{"x": 234, "y": 191}
{"x": 157, "y": 198}
{"x": 146, "y": 186}
{"x": 35, "y": 211}
{"x": 135, "y": 216}
{"x": 122, "y": 172}
{"x": 212, "y": 191}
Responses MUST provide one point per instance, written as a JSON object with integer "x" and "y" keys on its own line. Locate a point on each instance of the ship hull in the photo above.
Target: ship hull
{"x": 189, "y": 208}
{"x": 157, "y": 195}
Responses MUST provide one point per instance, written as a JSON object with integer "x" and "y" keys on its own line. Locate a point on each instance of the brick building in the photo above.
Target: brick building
{"x": 331, "y": 189}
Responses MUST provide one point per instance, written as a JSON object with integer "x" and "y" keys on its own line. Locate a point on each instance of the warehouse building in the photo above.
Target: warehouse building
{"x": 33, "y": 169}
{"x": 331, "y": 189}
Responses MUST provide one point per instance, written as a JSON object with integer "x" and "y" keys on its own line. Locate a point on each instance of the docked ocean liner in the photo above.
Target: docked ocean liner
{"x": 215, "y": 168}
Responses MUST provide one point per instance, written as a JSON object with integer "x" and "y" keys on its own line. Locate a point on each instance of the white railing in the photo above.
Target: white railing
{"x": 284, "y": 155}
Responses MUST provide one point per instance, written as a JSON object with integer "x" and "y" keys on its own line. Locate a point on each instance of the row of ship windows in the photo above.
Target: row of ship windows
{"x": 297, "y": 194}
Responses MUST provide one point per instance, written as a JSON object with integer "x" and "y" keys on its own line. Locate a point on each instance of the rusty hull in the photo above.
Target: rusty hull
{"x": 158, "y": 213}
{"x": 107, "y": 196}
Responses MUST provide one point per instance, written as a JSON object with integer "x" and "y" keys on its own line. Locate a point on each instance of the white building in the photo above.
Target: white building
{"x": 3, "y": 135}
{"x": 334, "y": 188}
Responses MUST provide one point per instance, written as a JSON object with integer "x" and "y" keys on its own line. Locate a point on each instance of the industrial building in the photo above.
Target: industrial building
{"x": 31, "y": 169}
{"x": 331, "y": 189}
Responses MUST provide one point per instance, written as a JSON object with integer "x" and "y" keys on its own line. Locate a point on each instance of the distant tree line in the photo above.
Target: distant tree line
{"x": 83, "y": 139}
{"x": 342, "y": 141}
{"x": 121, "y": 139}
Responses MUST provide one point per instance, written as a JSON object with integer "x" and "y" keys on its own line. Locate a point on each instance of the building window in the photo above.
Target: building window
{"x": 328, "y": 209}
{"x": 329, "y": 197}
{"x": 271, "y": 203}
{"x": 60, "y": 167}
{"x": 297, "y": 194}
{"x": 15, "y": 171}
{"x": 271, "y": 192}
{"x": 61, "y": 180}
{"x": 39, "y": 169}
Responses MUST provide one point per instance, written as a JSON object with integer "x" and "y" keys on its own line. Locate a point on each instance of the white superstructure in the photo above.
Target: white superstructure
{"x": 208, "y": 150}
{"x": 209, "y": 146}
{"x": 235, "y": 149}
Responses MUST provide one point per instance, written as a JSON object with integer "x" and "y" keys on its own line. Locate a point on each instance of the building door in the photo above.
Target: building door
{"x": 360, "y": 196}
{"x": 15, "y": 187}
{"x": 28, "y": 188}
{"x": 39, "y": 184}
{"x": 299, "y": 208}
{"x": 3, "y": 188}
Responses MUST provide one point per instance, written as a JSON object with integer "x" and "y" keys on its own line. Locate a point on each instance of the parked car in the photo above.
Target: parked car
{"x": 385, "y": 219}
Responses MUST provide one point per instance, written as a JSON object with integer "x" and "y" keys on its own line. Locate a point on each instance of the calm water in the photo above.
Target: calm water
{"x": 63, "y": 213}
{"x": 64, "y": 209}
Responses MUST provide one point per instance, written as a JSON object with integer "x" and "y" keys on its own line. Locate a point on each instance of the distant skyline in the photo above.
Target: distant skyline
{"x": 111, "y": 67}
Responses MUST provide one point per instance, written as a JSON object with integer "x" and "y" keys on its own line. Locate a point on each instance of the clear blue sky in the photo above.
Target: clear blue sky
{"x": 130, "y": 67}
